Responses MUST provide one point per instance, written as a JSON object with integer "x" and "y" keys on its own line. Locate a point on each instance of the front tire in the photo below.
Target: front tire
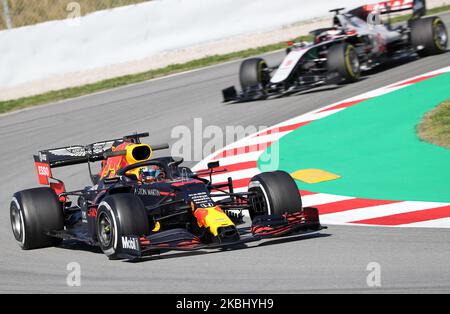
{"x": 33, "y": 213}
{"x": 343, "y": 59}
{"x": 275, "y": 193}
{"x": 253, "y": 72}
{"x": 119, "y": 215}
{"x": 431, "y": 34}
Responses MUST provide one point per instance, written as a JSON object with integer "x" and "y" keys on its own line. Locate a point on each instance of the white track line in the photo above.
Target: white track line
{"x": 437, "y": 223}
{"x": 322, "y": 198}
{"x": 378, "y": 211}
{"x": 236, "y": 175}
{"x": 231, "y": 160}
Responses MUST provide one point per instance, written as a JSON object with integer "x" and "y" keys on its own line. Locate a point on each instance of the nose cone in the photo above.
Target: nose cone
{"x": 216, "y": 220}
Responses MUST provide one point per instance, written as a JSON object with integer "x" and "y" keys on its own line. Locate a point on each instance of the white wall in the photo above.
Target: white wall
{"x": 138, "y": 31}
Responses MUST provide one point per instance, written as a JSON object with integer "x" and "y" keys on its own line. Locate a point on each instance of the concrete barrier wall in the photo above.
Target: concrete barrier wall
{"x": 132, "y": 39}
{"x": 138, "y": 31}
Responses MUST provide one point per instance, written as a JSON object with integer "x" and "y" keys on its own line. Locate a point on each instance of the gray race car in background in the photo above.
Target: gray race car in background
{"x": 357, "y": 41}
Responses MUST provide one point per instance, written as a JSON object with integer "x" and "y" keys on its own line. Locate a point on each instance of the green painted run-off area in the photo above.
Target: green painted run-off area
{"x": 374, "y": 147}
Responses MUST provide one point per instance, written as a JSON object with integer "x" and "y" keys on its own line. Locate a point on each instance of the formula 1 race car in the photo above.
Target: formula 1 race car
{"x": 357, "y": 41}
{"x": 139, "y": 206}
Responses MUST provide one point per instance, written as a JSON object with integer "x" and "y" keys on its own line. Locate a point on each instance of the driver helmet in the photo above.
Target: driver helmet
{"x": 150, "y": 174}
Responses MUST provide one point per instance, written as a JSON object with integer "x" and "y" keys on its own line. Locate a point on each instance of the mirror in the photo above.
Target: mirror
{"x": 214, "y": 164}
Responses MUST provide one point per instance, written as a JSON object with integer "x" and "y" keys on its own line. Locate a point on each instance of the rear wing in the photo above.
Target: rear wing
{"x": 47, "y": 159}
{"x": 393, "y": 6}
{"x": 74, "y": 155}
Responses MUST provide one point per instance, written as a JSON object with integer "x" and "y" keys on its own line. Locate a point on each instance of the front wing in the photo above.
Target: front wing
{"x": 265, "y": 227}
{"x": 259, "y": 92}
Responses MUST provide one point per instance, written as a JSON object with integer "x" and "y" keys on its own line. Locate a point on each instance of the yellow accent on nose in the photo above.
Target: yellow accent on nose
{"x": 215, "y": 219}
{"x": 312, "y": 176}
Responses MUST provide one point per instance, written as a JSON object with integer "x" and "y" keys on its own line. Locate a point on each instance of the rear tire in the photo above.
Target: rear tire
{"x": 120, "y": 215}
{"x": 33, "y": 213}
{"x": 431, "y": 34}
{"x": 275, "y": 194}
{"x": 253, "y": 73}
{"x": 343, "y": 59}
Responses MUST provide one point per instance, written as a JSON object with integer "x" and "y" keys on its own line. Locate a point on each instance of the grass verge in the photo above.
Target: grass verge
{"x": 435, "y": 126}
{"x": 54, "y": 96}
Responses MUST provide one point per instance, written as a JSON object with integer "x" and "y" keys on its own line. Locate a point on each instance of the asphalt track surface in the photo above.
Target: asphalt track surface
{"x": 411, "y": 260}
